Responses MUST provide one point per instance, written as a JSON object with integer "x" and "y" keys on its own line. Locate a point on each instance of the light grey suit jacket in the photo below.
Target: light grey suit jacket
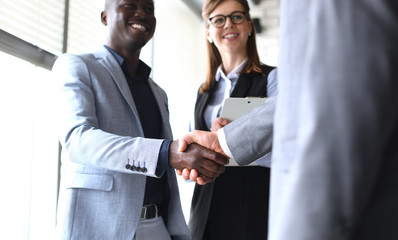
{"x": 335, "y": 153}
{"x": 100, "y": 132}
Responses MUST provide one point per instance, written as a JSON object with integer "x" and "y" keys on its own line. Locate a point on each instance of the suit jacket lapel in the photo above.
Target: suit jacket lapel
{"x": 113, "y": 67}
{"x": 201, "y": 103}
{"x": 241, "y": 89}
{"x": 242, "y": 86}
{"x": 163, "y": 108}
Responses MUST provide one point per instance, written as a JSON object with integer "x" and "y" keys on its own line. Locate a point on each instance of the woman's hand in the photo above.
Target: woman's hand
{"x": 219, "y": 123}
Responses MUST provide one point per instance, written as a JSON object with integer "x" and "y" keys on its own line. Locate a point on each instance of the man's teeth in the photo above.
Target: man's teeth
{"x": 139, "y": 27}
{"x": 230, "y": 36}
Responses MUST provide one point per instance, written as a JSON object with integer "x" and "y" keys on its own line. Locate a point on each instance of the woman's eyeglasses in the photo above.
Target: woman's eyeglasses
{"x": 236, "y": 18}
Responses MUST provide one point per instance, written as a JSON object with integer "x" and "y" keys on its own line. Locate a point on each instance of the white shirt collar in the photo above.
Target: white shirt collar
{"x": 233, "y": 75}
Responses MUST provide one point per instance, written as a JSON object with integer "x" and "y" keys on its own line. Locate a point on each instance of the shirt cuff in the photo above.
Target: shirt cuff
{"x": 223, "y": 142}
{"x": 163, "y": 160}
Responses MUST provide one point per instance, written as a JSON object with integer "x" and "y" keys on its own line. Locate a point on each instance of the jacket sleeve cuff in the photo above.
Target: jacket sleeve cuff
{"x": 223, "y": 142}
{"x": 163, "y": 160}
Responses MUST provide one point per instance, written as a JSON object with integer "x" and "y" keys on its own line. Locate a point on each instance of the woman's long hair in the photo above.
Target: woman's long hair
{"x": 214, "y": 57}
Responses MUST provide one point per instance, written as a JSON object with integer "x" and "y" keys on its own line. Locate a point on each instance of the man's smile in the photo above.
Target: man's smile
{"x": 139, "y": 27}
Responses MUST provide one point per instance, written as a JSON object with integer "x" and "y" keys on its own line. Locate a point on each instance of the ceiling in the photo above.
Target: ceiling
{"x": 196, "y": 5}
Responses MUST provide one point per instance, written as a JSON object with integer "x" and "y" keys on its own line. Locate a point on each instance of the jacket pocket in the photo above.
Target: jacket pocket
{"x": 103, "y": 182}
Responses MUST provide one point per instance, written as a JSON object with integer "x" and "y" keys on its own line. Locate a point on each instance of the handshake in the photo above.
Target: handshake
{"x": 198, "y": 155}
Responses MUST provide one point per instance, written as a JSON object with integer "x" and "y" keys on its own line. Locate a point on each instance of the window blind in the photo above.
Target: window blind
{"x": 39, "y": 22}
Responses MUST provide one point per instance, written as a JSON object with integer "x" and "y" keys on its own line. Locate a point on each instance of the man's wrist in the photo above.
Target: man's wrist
{"x": 163, "y": 160}
{"x": 223, "y": 142}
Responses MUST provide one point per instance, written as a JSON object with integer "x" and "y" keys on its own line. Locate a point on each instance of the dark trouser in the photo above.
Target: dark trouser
{"x": 239, "y": 205}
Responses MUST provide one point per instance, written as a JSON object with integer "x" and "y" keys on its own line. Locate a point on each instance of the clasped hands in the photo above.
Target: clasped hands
{"x": 201, "y": 158}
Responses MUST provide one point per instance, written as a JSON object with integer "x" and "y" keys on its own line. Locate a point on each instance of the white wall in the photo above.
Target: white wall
{"x": 179, "y": 59}
{"x": 179, "y": 68}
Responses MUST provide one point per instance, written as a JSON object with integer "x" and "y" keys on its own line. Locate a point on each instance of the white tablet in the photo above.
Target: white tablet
{"x": 236, "y": 107}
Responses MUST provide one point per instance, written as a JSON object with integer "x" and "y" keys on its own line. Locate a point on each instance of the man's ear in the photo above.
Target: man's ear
{"x": 104, "y": 18}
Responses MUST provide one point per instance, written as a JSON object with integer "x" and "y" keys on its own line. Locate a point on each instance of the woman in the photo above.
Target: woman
{"x": 235, "y": 205}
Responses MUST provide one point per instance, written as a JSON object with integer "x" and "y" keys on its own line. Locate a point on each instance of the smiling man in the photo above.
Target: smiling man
{"x": 118, "y": 178}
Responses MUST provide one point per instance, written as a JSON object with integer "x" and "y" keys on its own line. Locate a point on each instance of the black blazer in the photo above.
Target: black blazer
{"x": 248, "y": 85}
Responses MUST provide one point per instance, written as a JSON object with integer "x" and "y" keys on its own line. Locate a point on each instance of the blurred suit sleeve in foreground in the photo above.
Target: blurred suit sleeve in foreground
{"x": 335, "y": 148}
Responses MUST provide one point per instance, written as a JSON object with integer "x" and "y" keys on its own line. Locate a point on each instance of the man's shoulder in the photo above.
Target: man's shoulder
{"x": 73, "y": 62}
{"x": 73, "y": 57}
{"x": 100, "y": 53}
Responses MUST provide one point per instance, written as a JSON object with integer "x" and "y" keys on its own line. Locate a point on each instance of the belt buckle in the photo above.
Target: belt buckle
{"x": 143, "y": 212}
{"x": 146, "y": 212}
